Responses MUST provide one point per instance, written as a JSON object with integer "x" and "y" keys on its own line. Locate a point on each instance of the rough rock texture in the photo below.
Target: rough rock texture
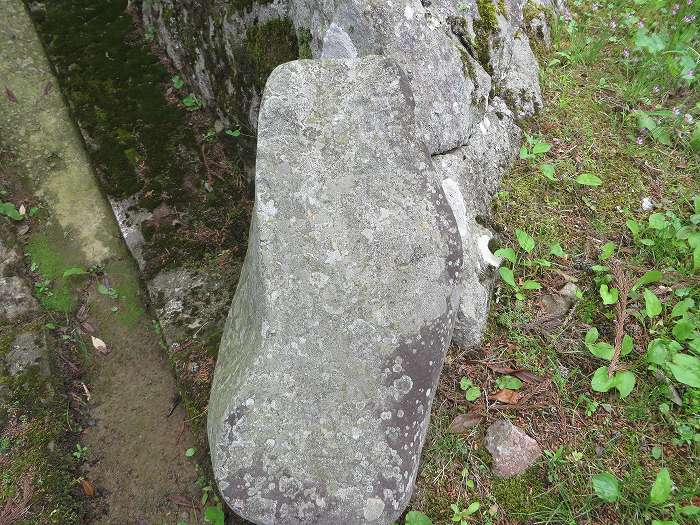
{"x": 28, "y": 350}
{"x": 16, "y": 299}
{"x": 512, "y": 450}
{"x": 338, "y": 330}
{"x": 469, "y": 66}
{"x": 9, "y": 258}
{"x": 185, "y": 301}
{"x": 478, "y": 174}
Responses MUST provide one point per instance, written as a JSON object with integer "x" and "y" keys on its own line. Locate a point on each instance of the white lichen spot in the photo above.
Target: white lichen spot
{"x": 399, "y": 413}
{"x": 373, "y": 509}
{"x": 356, "y": 433}
{"x": 249, "y": 402}
{"x": 403, "y": 385}
{"x": 427, "y": 392}
{"x": 408, "y": 12}
{"x": 267, "y": 210}
{"x": 385, "y": 416}
{"x": 270, "y": 443}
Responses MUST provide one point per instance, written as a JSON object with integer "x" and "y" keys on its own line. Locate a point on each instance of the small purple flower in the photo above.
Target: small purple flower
{"x": 595, "y": 6}
{"x": 613, "y": 24}
{"x": 677, "y": 111}
{"x": 690, "y": 74}
{"x": 640, "y": 140}
{"x": 690, "y": 2}
{"x": 656, "y": 89}
{"x": 625, "y": 53}
{"x": 688, "y": 118}
{"x": 640, "y": 24}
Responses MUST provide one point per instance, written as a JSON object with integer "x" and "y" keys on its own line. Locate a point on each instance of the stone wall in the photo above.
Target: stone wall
{"x": 470, "y": 67}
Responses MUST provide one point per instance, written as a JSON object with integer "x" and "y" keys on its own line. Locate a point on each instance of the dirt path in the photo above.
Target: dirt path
{"x": 135, "y": 451}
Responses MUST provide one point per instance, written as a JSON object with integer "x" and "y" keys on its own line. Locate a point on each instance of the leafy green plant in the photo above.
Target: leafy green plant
{"x": 527, "y": 244}
{"x": 192, "y": 103}
{"x": 534, "y": 148}
{"x": 9, "y": 210}
{"x": 177, "y": 82}
{"x": 509, "y": 382}
{"x": 73, "y": 271}
{"x": 462, "y": 516}
{"x": 80, "y": 452}
{"x": 214, "y": 515}
{"x": 233, "y": 132}
{"x": 606, "y": 486}
{"x": 471, "y": 391}
{"x": 588, "y": 179}
{"x": 623, "y": 380}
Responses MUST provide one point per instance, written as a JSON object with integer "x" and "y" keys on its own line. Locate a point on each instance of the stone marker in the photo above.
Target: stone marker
{"x": 332, "y": 350}
{"x": 512, "y": 450}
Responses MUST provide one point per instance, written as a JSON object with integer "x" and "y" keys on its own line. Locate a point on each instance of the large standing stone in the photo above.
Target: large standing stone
{"x": 337, "y": 333}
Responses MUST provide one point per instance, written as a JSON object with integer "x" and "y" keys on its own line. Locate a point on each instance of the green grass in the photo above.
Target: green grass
{"x": 590, "y": 95}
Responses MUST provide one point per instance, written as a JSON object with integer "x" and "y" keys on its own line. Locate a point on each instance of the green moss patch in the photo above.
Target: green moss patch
{"x": 270, "y": 44}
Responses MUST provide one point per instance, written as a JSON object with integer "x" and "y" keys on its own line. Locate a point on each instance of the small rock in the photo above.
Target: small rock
{"x": 9, "y": 260}
{"x": 512, "y": 450}
{"x": 559, "y": 304}
{"x": 15, "y": 298}
{"x": 27, "y": 350}
{"x": 647, "y": 204}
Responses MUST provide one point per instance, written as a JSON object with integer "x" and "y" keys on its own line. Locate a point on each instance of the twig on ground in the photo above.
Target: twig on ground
{"x": 623, "y": 285}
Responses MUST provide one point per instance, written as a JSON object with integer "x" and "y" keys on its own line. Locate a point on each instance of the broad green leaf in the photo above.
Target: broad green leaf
{"x": 73, "y": 271}
{"x": 523, "y": 153}
{"x": 682, "y": 307}
{"x": 627, "y": 345}
{"x": 177, "y": 82}
{"x": 214, "y": 515}
{"x": 664, "y": 522}
{"x": 472, "y": 393}
{"x": 556, "y": 250}
{"x": 417, "y": 518}
{"x": 591, "y": 336}
{"x": 633, "y": 227}
{"x": 102, "y": 289}
{"x": 657, "y": 353}
{"x": 651, "y": 276}
{"x": 465, "y": 383}
{"x": 652, "y": 304}
{"x": 540, "y": 148}
{"x": 8, "y": 209}
{"x": 473, "y": 507}
{"x": 597, "y": 268}
{"x": 526, "y": 242}
{"x": 609, "y": 295}
{"x": 624, "y": 382}
{"x": 652, "y": 42}
{"x": 606, "y": 487}
{"x": 607, "y": 250}
{"x": 657, "y": 221}
{"x": 506, "y": 253}
{"x": 600, "y": 381}
{"x": 190, "y": 452}
{"x": 602, "y": 350}
{"x": 682, "y": 330}
{"x": 542, "y": 262}
{"x": 531, "y": 285}
{"x": 509, "y": 382}
{"x": 696, "y": 258}
{"x": 661, "y": 489}
{"x": 588, "y": 179}
{"x": 548, "y": 171}
{"x": 686, "y": 369}
{"x": 507, "y": 276}
{"x": 233, "y": 132}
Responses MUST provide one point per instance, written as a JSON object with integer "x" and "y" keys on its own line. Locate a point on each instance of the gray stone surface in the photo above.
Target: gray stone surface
{"x": 16, "y": 299}
{"x": 512, "y": 450}
{"x": 476, "y": 170}
{"x": 9, "y": 259}
{"x": 28, "y": 350}
{"x": 519, "y": 83}
{"x": 338, "y": 330}
{"x": 189, "y": 303}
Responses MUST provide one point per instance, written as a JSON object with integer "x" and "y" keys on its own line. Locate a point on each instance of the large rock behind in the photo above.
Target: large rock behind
{"x": 337, "y": 333}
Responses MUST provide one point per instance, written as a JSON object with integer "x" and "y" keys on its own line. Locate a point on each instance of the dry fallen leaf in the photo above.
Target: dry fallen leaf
{"x": 181, "y": 500}
{"x": 22, "y": 210}
{"x": 87, "y": 328}
{"x": 464, "y": 422}
{"x": 99, "y": 345}
{"x": 527, "y": 376}
{"x": 510, "y": 397}
{"x": 501, "y": 369}
{"x": 88, "y": 488}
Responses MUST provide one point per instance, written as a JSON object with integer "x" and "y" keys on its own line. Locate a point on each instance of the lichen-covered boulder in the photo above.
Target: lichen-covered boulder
{"x": 344, "y": 310}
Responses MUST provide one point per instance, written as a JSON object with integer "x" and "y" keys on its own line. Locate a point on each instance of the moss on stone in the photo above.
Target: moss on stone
{"x": 51, "y": 264}
{"x": 304, "y": 37}
{"x": 484, "y": 27}
{"x": 270, "y": 44}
